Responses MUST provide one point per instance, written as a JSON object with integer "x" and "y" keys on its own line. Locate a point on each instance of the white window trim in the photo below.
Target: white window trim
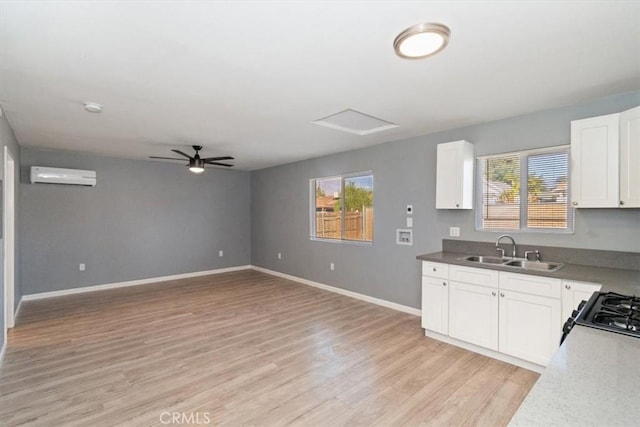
{"x": 523, "y": 205}
{"x": 312, "y": 207}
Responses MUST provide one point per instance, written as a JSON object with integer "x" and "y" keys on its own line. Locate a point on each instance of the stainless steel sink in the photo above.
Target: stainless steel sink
{"x": 518, "y": 263}
{"x": 535, "y": 265}
{"x": 484, "y": 259}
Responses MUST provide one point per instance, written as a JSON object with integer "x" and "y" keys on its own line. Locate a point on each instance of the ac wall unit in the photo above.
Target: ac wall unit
{"x": 45, "y": 175}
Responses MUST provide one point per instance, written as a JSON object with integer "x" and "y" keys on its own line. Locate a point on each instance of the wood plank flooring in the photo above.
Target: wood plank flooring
{"x": 242, "y": 348}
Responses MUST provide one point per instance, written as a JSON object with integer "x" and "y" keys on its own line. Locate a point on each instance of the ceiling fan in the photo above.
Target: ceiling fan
{"x": 196, "y": 164}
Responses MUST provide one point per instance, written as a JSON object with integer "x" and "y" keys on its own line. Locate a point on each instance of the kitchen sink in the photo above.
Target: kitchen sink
{"x": 518, "y": 263}
{"x": 534, "y": 265}
{"x": 484, "y": 259}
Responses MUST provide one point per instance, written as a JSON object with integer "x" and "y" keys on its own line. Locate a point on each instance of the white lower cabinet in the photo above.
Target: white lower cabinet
{"x": 519, "y": 315}
{"x": 573, "y": 293}
{"x": 530, "y": 326}
{"x": 473, "y": 314}
{"x": 435, "y": 297}
{"x": 530, "y": 316}
{"x": 435, "y": 304}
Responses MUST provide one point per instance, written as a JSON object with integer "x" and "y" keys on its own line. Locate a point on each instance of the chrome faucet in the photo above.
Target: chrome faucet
{"x": 498, "y": 248}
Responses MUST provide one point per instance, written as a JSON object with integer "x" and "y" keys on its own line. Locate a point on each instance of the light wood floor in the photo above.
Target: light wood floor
{"x": 242, "y": 348}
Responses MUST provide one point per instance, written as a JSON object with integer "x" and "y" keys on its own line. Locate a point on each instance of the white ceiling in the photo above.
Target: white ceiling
{"x": 248, "y": 78}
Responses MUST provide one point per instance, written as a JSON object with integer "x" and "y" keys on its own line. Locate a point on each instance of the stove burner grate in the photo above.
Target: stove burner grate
{"x": 613, "y": 320}
{"x": 622, "y": 303}
{"x": 612, "y": 312}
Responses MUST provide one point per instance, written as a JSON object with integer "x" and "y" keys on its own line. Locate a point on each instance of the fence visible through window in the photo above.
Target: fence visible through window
{"x": 358, "y": 225}
{"x": 541, "y": 204}
{"x": 343, "y": 208}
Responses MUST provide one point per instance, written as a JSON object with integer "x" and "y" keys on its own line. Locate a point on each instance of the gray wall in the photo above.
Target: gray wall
{"x": 143, "y": 219}
{"x": 404, "y": 173}
{"x": 8, "y": 139}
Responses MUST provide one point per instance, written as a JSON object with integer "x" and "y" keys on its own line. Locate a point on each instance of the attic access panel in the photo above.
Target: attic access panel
{"x": 355, "y": 122}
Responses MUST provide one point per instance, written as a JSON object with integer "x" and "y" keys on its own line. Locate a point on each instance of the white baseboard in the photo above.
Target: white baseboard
{"x": 362, "y": 297}
{"x": 4, "y": 347}
{"x": 485, "y": 351}
{"x": 106, "y": 286}
{"x": 15, "y": 314}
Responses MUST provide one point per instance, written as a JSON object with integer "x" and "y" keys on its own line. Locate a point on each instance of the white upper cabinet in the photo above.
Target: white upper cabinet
{"x": 594, "y": 162}
{"x": 605, "y": 161}
{"x": 454, "y": 179}
{"x": 630, "y": 158}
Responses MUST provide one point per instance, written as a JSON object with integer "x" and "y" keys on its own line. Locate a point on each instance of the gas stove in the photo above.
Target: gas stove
{"x": 612, "y": 312}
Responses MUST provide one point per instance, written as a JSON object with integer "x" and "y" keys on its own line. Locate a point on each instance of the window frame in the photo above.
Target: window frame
{"x": 523, "y": 155}
{"x": 312, "y": 209}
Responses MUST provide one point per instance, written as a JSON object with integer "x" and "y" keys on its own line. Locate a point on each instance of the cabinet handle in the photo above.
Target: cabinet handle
{"x": 621, "y": 202}
{"x": 567, "y": 286}
{"x": 457, "y": 205}
{"x": 502, "y": 294}
{"x": 434, "y": 269}
{"x": 444, "y": 283}
{"x": 493, "y": 293}
{"x": 575, "y": 203}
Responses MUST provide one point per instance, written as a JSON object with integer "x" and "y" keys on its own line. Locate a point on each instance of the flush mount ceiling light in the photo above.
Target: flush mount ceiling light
{"x": 93, "y": 107}
{"x": 421, "y": 41}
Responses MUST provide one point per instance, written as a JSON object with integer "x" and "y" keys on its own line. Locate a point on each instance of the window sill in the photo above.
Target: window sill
{"x": 339, "y": 241}
{"x": 525, "y": 230}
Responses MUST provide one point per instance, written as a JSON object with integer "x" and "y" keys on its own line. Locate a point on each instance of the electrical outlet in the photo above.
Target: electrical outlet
{"x": 332, "y": 266}
{"x": 81, "y": 267}
{"x": 409, "y": 222}
{"x": 220, "y": 253}
{"x": 279, "y": 255}
{"x": 454, "y": 231}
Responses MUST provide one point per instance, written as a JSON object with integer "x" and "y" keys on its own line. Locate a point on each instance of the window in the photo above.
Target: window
{"x": 541, "y": 205}
{"x": 342, "y": 208}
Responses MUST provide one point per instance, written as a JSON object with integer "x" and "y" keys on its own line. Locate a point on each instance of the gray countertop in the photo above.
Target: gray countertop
{"x": 611, "y": 279}
{"x": 592, "y": 380}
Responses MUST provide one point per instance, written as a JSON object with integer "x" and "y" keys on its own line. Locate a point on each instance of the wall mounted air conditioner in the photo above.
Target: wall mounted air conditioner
{"x": 45, "y": 175}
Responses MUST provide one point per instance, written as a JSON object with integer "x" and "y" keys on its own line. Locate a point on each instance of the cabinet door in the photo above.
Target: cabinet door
{"x": 454, "y": 175}
{"x": 594, "y": 162}
{"x": 573, "y": 293}
{"x": 435, "y": 304}
{"x": 630, "y": 158}
{"x": 473, "y": 314}
{"x": 530, "y": 326}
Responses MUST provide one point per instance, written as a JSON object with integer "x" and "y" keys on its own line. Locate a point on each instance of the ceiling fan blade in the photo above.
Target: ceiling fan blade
{"x": 218, "y": 158}
{"x": 218, "y": 164}
{"x": 181, "y": 153}
{"x": 166, "y": 158}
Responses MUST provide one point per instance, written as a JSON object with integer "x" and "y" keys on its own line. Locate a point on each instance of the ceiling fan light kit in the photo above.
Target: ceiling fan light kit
{"x": 196, "y": 165}
{"x": 422, "y": 40}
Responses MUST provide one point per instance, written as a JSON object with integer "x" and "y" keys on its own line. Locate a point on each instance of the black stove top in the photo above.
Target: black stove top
{"x": 612, "y": 312}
